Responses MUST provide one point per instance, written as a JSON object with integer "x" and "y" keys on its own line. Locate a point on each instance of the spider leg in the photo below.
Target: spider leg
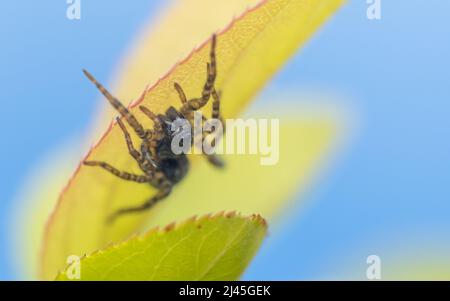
{"x": 163, "y": 192}
{"x": 211, "y": 68}
{"x": 121, "y": 174}
{"x": 158, "y": 133}
{"x": 133, "y": 152}
{"x": 187, "y": 112}
{"x": 211, "y": 73}
{"x": 153, "y": 117}
{"x": 213, "y": 158}
{"x": 215, "y": 114}
{"x": 216, "y": 105}
{"x": 196, "y": 140}
{"x": 180, "y": 93}
{"x": 149, "y": 152}
{"x": 132, "y": 121}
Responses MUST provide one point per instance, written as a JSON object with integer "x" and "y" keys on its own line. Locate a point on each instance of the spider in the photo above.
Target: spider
{"x": 161, "y": 167}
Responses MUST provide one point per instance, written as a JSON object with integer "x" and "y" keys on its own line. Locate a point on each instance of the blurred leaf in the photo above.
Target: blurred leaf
{"x": 182, "y": 25}
{"x": 208, "y": 248}
{"x": 249, "y": 51}
{"x": 247, "y": 186}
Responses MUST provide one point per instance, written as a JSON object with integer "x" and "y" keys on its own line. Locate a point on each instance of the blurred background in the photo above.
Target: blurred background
{"x": 387, "y": 193}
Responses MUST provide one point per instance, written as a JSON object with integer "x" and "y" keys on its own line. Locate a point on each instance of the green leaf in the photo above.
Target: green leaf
{"x": 215, "y": 247}
{"x": 249, "y": 50}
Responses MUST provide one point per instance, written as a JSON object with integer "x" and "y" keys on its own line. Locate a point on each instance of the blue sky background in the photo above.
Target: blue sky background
{"x": 388, "y": 194}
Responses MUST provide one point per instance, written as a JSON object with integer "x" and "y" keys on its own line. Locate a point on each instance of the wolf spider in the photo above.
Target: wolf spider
{"x": 161, "y": 167}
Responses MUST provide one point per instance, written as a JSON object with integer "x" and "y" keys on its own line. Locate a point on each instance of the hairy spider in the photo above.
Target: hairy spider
{"x": 161, "y": 167}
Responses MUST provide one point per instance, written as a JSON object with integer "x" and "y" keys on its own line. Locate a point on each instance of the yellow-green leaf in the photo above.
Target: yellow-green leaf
{"x": 247, "y": 186}
{"x": 209, "y": 248}
{"x": 183, "y": 25}
{"x": 249, "y": 51}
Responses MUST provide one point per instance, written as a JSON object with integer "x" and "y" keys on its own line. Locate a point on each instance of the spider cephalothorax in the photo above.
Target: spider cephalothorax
{"x": 162, "y": 168}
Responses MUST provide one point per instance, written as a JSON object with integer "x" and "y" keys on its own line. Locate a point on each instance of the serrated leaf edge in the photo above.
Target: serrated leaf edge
{"x": 194, "y": 220}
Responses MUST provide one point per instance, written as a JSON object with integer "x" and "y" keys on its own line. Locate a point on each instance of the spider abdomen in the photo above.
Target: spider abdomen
{"x": 175, "y": 169}
{"x": 174, "y": 166}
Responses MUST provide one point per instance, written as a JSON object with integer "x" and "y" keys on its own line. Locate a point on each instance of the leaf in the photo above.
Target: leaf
{"x": 255, "y": 44}
{"x": 239, "y": 187}
{"x": 246, "y": 185}
{"x": 184, "y": 24}
{"x": 215, "y": 247}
